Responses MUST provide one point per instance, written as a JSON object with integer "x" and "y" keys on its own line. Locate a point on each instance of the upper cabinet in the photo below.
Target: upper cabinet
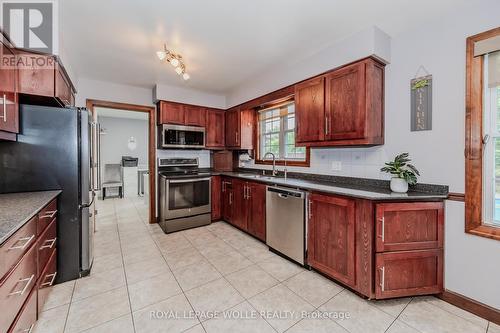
{"x": 43, "y": 79}
{"x": 194, "y": 115}
{"x": 240, "y": 128}
{"x": 9, "y": 115}
{"x": 344, "y": 107}
{"x": 171, "y": 113}
{"x": 215, "y": 120}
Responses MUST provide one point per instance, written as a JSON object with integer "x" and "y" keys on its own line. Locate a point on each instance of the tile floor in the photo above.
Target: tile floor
{"x": 145, "y": 281}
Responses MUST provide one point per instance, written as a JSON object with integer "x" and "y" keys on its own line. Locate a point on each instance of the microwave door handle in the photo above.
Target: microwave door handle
{"x": 180, "y": 181}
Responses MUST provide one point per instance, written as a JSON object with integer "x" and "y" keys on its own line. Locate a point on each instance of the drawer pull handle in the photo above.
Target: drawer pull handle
{"x": 4, "y": 108}
{"x": 22, "y": 291}
{"x": 29, "y": 330}
{"x": 26, "y": 240}
{"x": 382, "y": 235}
{"x": 382, "y": 278}
{"x": 49, "y": 214}
{"x": 46, "y": 244}
{"x": 48, "y": 284}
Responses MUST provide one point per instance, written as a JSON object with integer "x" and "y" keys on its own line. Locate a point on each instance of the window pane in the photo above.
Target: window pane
{"x": 290, "y": 123}
{"x": 498, "y": 107}
{"x": 290, "y": 138}
{"x": 497, "y": 182}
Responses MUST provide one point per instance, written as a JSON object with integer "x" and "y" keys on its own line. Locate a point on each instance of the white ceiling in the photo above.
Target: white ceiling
{"x": 224, "y": 42}
{"x": 124, "y": 114}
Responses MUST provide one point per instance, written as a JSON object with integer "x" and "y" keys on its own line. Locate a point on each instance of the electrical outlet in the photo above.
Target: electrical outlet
{"x": 336, "y": 166}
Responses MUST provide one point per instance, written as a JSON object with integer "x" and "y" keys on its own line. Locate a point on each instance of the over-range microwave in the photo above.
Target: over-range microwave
{"x": 176, "y": 136}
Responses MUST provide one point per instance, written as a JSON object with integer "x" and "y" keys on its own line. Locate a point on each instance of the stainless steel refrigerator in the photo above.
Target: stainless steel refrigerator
{"x": 54, "y": 152}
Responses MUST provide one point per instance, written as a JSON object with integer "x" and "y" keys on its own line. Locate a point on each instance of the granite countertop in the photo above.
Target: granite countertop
{"x": 18, "y": 208}
{"x": 360, "y": 190}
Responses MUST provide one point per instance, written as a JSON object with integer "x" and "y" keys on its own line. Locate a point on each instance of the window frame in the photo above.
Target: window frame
{"x": 280, "y": 161}
{"x": 474, "y": 221}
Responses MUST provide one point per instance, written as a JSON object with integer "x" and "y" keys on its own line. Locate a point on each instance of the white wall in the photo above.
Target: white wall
{"x": 189, "y": 96}
{"x": 114, "y": 144}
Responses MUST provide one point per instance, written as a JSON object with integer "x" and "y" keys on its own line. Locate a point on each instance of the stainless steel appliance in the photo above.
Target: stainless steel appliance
{"x": 185, "y": 200}
{"x": 285, "y": 222}
{"x": 54, "y": 152}
{"x": 175, "y": 136}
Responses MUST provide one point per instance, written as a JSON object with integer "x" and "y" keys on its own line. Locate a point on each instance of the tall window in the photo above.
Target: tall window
{"x": 491, "y": 140}
{"x": 277, "y": 134}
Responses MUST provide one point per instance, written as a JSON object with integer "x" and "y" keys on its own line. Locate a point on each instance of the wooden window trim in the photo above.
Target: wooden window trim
{"x": 305, "y": 163}
{"x": 473, "y": 141}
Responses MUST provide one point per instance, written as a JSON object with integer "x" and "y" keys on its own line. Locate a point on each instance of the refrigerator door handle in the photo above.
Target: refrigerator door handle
{"x": 98, "y": 151}
{"x": 87, "y": 205}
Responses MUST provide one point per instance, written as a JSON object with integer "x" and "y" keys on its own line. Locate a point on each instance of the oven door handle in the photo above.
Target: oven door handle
{"x": 179, "y": 181}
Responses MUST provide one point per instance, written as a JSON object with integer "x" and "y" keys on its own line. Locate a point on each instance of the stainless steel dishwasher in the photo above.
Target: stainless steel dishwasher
{"x": 285, "y": 222}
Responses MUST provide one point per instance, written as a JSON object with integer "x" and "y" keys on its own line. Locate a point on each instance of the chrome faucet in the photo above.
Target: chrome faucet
{"x": 274, "y": 162}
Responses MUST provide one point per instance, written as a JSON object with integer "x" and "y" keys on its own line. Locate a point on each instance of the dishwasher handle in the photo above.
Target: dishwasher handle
{"x": 285, "y": 192}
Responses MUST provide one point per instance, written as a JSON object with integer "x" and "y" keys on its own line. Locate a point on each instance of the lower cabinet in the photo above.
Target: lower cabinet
{"x": 256, "y": 224}
{"x": 227, "y": 196}
{"x": 27, "y": 318}
{"x": 216, "y": 198}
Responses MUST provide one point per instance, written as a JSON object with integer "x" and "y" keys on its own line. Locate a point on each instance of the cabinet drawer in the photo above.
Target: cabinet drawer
{"x": 15, "y": 289}
{"x": 26, "y": 319}
{"x": 46, "y": 280}
{"x": 45, "y": 245}
{"x": 409, "y": 226}
{"x": 409, "y": 273}
{"x": 46, "y": 216}
{"x": 17, "y": 244}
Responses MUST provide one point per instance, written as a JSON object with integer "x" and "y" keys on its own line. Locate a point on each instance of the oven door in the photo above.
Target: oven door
{"x": 187, "y": 197}
{"x": 183, "y": 136}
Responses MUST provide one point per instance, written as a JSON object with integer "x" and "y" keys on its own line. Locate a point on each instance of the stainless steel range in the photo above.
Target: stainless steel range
{"x": 184, "y": 194}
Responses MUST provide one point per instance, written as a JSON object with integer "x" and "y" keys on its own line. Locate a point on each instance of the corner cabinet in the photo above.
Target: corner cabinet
{"x": 344, "y": 107}
{"x": 215, "y": 120}
{"x": 9, "y": 107}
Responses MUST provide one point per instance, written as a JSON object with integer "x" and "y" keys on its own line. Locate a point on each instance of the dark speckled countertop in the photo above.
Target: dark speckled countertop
{"x": 18, "y": 208}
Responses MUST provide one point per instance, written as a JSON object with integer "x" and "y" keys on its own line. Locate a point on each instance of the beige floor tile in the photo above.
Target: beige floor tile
{"x": 363, "y": 317}
{"x": 427, "y": 317}
{"x": 281, "y": 299}
{"x": 119, "y": 325}
{"x": 153, "y": 290}
{"x": 230, "y": 262}
{"x": 313, "y": 287}
{"x": 392, "y": 306}
{"x": 241, "y": 240}
{"x": 171, "y": 315}
{"x": 239, "y": 319}
{"x": 215, "y": 296}
{"x": 96, "y": 310}
{"x": 98, "y": 283}
{"x": 457, "y": 311}
{"x": 195, "y": 329}
{"x": 257, "y": 253}
{"x": 107, "y": 248}
{"x": 148, "y": 252}
{"x": 493, "y": 328}
{"x": 145, "y": 269}
{"x": 215, "y": 249}
{"x": 251, "y": 281}
{"x": 183, "y": 258}
{"x": 400, "y": 327}
{"x": 316, "y": 322}
{"x": 52, "y": 321}
{"x": 192, "y": 276}
{"x": 173, "y": 243}
{"x": 281, "y": 269}
{"x": 107, "y": 262}
{"x": 201, "y": 239}
{"x": 59, "y": 294}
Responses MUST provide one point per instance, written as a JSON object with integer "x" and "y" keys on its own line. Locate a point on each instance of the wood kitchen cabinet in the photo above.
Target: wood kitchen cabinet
{"x": 9, "y": 106}
{"x": 240, "y": 214}
{"x": 344, "y": 107}
{"x": 227, "y": 199}
{"x": 215, "y": 120}
{"x": 240, "y": 128}
{"x": 331, "y": 236}
{"x": 194, "y": 115}
{"x": 216, "y": 185}
{"x": 171, "y": 113}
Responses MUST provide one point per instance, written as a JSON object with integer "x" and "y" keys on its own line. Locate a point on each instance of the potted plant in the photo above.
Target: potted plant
{"x": 403, "y": 173}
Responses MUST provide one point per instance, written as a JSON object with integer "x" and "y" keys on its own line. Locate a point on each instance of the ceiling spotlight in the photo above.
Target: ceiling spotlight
{"x": 185, "y": 76}
{"x": 178, "y": 70}
{"x": 175, "y": 60}
{"x": 161, "y": 55}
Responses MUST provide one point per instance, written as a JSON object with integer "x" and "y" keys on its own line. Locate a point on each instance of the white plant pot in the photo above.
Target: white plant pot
{"x": 399, "y": 185}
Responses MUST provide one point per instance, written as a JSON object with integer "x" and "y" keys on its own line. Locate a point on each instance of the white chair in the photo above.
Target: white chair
{"x": 112, "y": 179}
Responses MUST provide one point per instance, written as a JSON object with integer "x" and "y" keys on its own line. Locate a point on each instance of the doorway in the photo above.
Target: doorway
{"x": 127, "y": 142}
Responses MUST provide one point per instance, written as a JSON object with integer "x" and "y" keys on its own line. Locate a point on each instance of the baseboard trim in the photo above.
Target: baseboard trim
{"x": 482, "y": 310}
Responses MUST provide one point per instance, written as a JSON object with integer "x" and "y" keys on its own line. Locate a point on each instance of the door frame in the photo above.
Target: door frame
{"x": 151, "y": 110}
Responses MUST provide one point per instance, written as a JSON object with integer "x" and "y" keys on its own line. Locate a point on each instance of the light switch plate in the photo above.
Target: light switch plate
{"x": 336, "y": 166}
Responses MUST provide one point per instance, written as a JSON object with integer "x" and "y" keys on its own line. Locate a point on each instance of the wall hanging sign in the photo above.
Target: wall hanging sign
{"x": 421, "y": 101}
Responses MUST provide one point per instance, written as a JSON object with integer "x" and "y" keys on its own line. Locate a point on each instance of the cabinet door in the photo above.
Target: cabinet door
{"x": 227, "y": 200}
{"x": 26, "y": 318}
{"x": 232, "y": 128}
{"x": 216, "y": 198}
{"x": 409, "y": 273}
{"x": 240, "y": 216}
{"x": 345, "y": 103}
{"x": 310, "y": 110}
{"x": 62, "y": 87}
{"x": 171, "y": 113}
{"x": 9, "y": 113}
{"x": 36, "y": 75}
{"x": 257, "y": 210}
{"x": 215, "y": 128}
{"x": 194, "y": 115}
{"x": 331, "y": 239}
{"x": 409, "y": 226}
